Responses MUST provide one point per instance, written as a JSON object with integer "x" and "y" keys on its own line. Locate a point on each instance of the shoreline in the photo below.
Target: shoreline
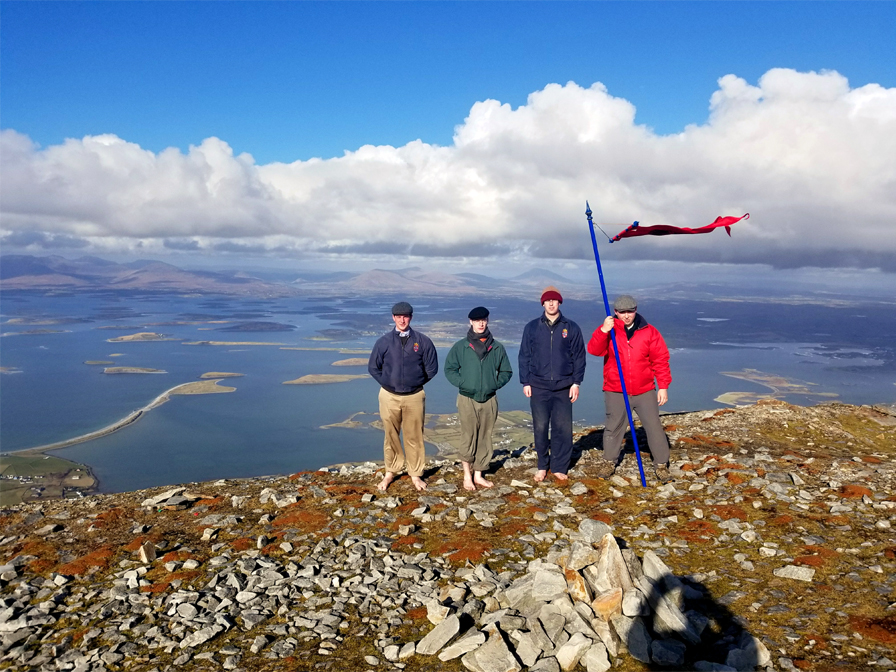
{"x": 129, "y": 419}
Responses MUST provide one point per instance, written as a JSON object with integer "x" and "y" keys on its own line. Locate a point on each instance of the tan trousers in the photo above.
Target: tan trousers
{"x": 403, "y": 414}
{"x": 476, "y": 424}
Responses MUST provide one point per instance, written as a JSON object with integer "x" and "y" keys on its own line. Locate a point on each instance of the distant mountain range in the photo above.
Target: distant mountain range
{"x": 25, "y": 272}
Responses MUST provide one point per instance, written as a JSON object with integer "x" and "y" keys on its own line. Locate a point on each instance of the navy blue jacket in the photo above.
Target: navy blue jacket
{"x": 552, "y": 358}
{"x": 403, "y": 370}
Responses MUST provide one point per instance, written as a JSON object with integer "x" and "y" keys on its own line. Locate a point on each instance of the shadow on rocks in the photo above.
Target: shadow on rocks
{"x": 682, "y": 626}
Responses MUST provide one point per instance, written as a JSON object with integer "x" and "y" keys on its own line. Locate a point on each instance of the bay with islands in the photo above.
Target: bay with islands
{"x": 124, "y": 390}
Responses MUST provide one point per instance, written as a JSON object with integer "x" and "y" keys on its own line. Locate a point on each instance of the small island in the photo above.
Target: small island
{"x": 98, "y": 362}
{"x": 142, "y": 336}
{"x": 231, "y": 343}
{"x": 352, "y": 361}
{"x": 779, "y": 386}
{"x": 220, "y": 374}
{"x": 131, "y": 369}
{"x": 201, "y": 387}
{"x": 323, "y": 378}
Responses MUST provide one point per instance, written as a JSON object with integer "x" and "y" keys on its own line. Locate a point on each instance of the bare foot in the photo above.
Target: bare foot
{"x": 481, "y": 481}
{"x": 540, "y": 475}
{"x": 387, "y": 479}
{"x": 561, "y": 477}
{"x": 468, "y": 484}
{"x": 418, "y": 482}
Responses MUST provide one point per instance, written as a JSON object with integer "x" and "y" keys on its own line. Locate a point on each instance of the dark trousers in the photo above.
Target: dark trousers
{"x": 552, "y": 409}
{"x": 645, "y": 405}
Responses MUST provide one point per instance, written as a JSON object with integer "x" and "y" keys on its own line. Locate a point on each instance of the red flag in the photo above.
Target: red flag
{"x": 664, "y": 230}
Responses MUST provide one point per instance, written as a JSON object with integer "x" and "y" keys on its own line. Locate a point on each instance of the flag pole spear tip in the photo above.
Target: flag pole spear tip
{"x": 587, "y": 210}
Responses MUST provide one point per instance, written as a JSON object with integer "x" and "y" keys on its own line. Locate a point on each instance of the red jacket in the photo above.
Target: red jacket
{"x": 643, "y": 358}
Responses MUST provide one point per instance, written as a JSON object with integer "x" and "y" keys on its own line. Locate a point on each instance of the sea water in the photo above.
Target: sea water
{"x": 265, "y": 427}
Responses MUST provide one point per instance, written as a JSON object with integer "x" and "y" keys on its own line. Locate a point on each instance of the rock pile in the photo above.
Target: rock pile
{"x": 773, "y": 547}
{"x": 594, "y": 603}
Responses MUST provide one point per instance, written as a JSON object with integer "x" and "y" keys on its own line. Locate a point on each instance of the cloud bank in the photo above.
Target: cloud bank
{"x": 809, "y": 157}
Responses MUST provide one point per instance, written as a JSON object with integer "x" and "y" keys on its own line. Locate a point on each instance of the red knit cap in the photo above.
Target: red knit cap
{"x": 551, "y": 292}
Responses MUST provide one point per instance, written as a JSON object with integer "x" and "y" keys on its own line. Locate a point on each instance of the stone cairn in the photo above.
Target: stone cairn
{"x": 584, "y": 605}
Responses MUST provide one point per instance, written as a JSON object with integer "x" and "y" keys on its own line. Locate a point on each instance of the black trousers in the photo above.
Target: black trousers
{"x": 552, "y": 410}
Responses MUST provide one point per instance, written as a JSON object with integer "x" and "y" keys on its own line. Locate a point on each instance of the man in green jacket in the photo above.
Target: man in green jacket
{"x": 478, "y": 367}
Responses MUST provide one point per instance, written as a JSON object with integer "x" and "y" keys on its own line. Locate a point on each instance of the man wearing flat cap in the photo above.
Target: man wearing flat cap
{"x": 402, "y": 362}
{"x": 478, "y": 367}
{"x": 552, "y": 366}
{"x": 645, "y": 359}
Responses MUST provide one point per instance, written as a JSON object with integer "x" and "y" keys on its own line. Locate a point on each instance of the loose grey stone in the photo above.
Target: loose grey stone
{"x": 633, "y": 635}
{"x": 581, "y": 555}
{"x": 569, "y": 654}
{"x": 546, "y": 665}
{"x": 607, "y": 635}
{"x": 634, "y": 603}
{"x": 493, "y": 656}
{"x": 610, "y": 571}
{"x": 201, "y": 636}
{"x": 595, "y": 658}
{"x": 795, "y": 572}
{"x": 439, "y": 636}
{"x": 668, "y": 652}
{"x": 471, "y": 640}
{"x": 750, "y": 654}
{"x": 548, "y": 585}
{"x": 592, "y": 531}
{"x": 667, "y": 617}
{"x": 529, "y": 648}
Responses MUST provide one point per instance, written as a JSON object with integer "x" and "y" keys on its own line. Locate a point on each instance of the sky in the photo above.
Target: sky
{"x": 464, "y": 134}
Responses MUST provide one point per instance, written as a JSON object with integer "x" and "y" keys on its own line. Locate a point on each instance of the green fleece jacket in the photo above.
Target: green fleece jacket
{"x": 478, "y": 380}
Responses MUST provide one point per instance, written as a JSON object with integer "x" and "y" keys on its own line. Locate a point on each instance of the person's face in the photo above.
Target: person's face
{"x": 627, "y": 316}
{"x": 552, "y": 308}
{"x": 479, "y": 326}
{"x": 401, "y": 322}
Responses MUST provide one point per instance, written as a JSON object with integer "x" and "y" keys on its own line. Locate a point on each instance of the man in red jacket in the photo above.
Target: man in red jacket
{"x": 644, "y": 358}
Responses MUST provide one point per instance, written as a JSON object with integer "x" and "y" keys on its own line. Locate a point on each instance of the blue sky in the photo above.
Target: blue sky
{"x": 293, "y": 80}
{"x": 453, "y": 132}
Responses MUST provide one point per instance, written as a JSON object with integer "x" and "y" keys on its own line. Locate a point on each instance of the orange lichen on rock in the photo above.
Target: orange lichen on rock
{"x": 417, "y": 613}
{"x": 100, "y": 558}
{"x": 472, "y": 552}
{"x": 881, "y": 629}
{"x": 514, "y": 528}
{"x": 854, "y": 491}
{"x": 107, "y": 518}
{"x": 734, "y": 478}
{"x": 784, "y": 519}
{"x": 728, "y": 511}
{"x": 242, "y": 544}
{"x": 307, "y": 521}
{"x": 698, "y": 531}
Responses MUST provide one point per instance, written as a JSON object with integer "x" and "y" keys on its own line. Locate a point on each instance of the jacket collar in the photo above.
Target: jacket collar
{"x": 639, "y": 323}
{"x": 560, "y": 318}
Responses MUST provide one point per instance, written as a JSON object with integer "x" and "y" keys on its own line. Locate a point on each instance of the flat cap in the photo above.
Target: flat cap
{"x": 625, "y": 302}
{"x": 402, "y": 308}
{"x": 478, "y": 313}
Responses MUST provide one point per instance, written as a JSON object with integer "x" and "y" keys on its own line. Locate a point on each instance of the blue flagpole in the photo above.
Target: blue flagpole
{"x": 603, "y": 289}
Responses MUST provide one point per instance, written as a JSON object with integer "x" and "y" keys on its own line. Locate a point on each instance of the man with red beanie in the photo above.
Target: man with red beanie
{"x": 644, "y": 358}
{"x": 552, "y": 366}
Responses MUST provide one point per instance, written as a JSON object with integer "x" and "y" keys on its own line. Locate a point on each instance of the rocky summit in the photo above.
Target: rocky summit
{"x": 773, "y": 547}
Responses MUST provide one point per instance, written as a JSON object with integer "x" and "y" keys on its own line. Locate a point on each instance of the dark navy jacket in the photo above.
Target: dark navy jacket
{"x": 403, "y": 370}
{"x": 552, "y": 358}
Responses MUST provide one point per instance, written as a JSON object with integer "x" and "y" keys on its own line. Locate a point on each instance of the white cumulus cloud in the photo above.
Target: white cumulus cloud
{"x": 809, "y": 157}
